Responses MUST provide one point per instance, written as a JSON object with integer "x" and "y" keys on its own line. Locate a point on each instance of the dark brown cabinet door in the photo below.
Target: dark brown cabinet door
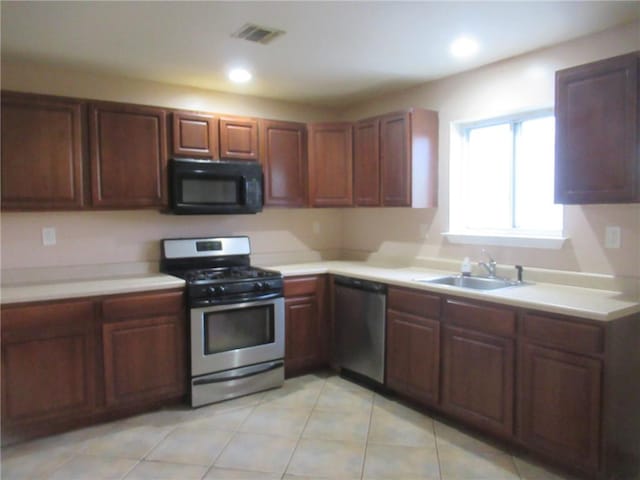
{"x": 238, "y": 138}
{"x": 330, "y": 165}
{"x": 478, "y": 378}
{"x": 413, "y": 356}
{"x": 195, "y": 135}
{"x": 283, "y": 153}
{"x": 42, "y": 152}
{"x": 48, "y": 366}
{"x": 560, "y": 404}
{"x": 395, "y": 159}
{"x": 144, "y": 348}
{"x": 366, "y": 163}
{"x": 128, "y": 155}
{"x": 306, "y": 329}
{"x": 597, "y": 155}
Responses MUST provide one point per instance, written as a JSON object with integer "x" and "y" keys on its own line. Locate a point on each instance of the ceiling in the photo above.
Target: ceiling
{"x": 333, "y": 53}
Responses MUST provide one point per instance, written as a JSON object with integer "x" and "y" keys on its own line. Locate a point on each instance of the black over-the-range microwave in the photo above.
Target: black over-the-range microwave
{"x": 214, "y": 187}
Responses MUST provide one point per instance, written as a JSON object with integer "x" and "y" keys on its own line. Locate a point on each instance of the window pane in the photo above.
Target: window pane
{"x": 534, "y": 209}
{"x": 488, "y": 177}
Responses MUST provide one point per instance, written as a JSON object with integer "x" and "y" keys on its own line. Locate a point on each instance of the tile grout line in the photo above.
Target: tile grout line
{"x": 303, "y": 429}
{"x": 366, "y": 442}
{"x": 235, "y": 431}
{"x": 435, "y": 437}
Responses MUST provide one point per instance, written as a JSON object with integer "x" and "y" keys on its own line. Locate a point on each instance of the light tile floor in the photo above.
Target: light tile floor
{"x": 316, "y": 426}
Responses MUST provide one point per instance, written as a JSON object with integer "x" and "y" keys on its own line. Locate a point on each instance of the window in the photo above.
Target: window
{"x": 502, "y": 178}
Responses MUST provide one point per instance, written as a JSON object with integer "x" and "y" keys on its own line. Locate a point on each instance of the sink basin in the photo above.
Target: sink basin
{"x": 474, "y": 283}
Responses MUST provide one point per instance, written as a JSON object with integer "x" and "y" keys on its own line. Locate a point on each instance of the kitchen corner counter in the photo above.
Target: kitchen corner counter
{"x": 589, "y": 303}
{"x": 34, "y": 292}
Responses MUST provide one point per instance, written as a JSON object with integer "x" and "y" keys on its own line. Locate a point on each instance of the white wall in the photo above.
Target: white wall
{"x": 518, "y": 84}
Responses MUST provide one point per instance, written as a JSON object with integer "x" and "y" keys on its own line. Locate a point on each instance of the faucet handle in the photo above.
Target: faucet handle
{"x": 488, "y": 255}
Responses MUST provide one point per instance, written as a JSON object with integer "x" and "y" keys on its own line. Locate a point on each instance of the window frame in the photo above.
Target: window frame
{"x": 513, "y": 236}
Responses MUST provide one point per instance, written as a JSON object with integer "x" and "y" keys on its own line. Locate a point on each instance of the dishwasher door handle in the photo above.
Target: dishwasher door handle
{"x": 360, "y": 284}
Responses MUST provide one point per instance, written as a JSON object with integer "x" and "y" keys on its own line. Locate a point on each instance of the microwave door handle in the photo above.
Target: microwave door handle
{"x": 243, "y": 373}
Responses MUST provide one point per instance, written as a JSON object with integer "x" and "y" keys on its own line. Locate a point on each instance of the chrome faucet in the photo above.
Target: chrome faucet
{"x": 490, "y": 266}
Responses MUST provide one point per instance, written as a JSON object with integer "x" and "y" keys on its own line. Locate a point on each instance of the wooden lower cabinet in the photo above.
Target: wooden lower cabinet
{"x": 306, "y": 329}
{"x": 144, "y": 352}
{"x": 478, "y": 364}
{"x": 560, "y": 401}
{"x": 413, "y": 345}
{"x": 56, "y": 376}
{"x": 48, "y": 366}
{"x": 477, "y": 378}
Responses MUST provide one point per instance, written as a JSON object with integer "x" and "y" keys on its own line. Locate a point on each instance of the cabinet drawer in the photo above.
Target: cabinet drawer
{"x": 571, "y": 336}
{"x": 44, "y": 319}
{"x": 300, "y": 286}
{"x": 484, "y": 318}
{"x": 414, "y": 302}
{"x": 142, "y": 305}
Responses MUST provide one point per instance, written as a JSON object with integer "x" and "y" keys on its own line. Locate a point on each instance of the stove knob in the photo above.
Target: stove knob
{"x": 258, "y": 286}
{"x": 211, "y": 290}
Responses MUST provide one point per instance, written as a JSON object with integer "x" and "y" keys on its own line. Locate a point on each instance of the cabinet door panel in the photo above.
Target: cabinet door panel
{"x": 560, "y": 404}
{"x": 395, "y": 159}
{"x": 478, "y": 378}
{"x": 366, "y": 163}
{"x": 413, "y": 356}
{"x": 597, "y": 157}
{"x": 303, "y": 345}
{"x": 48, "y": 363}
{"x": 128, "y": 155}
{"x": 143, "y": 359}
{"x": 42, "y": 159}
{"x": 195, "y": 135}
{"x": 330, "y": 165}
{"x": 238, "y": 138}
{"x": 283, "y": 155}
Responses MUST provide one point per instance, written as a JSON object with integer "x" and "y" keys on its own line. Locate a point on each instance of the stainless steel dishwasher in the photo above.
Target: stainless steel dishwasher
{"x": 359, "y": 311}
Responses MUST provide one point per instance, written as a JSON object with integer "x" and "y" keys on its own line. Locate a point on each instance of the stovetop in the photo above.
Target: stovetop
{"x": 226, "y": 274}
{"x": 218, "y": 271}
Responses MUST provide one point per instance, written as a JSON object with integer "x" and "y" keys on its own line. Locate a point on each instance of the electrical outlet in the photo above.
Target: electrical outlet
{"x": 612, "y": 237}
{"x": 48, "y": 236}
{"x": 316, "y": 227}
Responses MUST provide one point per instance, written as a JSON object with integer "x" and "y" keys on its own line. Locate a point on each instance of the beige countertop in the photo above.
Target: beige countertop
{"x": 51, "y": 290}
{"x": 594, "y": 304}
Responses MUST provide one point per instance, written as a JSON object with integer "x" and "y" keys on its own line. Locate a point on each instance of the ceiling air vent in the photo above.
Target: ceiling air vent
{"x": 257, "y": 34}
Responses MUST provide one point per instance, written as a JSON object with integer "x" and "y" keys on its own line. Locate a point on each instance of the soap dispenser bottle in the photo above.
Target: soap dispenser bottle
{"x": 465, "y": 268}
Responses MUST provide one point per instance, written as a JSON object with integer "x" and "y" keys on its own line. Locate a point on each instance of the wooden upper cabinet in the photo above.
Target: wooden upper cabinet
{"x": 330, "y": 164}
{"x": 283, "y": 153}
{"x": 128, "y": 155}
{"x": 238, "y": 138}
{"x": 409, "y": 159}
{"x": 366, "y": 163}
{"x": 597, "y": 155}
{"x": 42, "y": 152}
{"x": 195, "y": 135}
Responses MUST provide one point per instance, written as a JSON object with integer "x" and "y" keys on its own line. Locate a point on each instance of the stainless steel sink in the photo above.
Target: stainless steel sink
{"x": 474, "y": 283}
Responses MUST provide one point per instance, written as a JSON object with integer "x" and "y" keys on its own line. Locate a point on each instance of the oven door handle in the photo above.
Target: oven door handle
{"x": 238, "y": 373}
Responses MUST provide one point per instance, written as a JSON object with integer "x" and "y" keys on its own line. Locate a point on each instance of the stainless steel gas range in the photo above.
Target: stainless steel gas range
{"x": 236, "y": 314}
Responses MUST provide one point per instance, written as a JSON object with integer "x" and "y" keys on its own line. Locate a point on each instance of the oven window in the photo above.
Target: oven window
{"x": 241, "y": 328}
{"x": 212, "y": 190}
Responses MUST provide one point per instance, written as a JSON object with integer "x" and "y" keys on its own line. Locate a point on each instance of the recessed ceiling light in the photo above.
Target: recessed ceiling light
{"x": 463, "y": 47}
{"x": 239, "y": 75}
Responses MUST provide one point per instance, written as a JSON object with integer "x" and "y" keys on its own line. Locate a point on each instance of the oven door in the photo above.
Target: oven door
{"x": 224, "y": 337}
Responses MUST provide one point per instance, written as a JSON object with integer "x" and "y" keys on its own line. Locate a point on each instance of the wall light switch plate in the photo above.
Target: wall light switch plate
{"x": 612, "y": 237}
{"x": 316, "y": 227}
{"x": 48, "y": 236}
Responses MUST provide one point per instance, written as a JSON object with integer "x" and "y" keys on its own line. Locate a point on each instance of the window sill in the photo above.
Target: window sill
{"x": 504, "y": 240}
